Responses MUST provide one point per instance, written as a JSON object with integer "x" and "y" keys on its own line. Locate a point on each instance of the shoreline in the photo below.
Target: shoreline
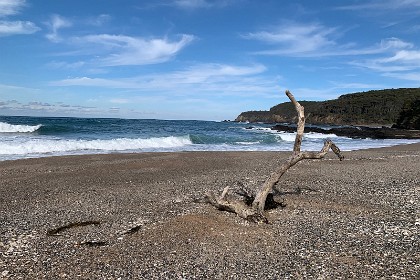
{"x": 411, "y": 146}
{"x": 133, "y": 216}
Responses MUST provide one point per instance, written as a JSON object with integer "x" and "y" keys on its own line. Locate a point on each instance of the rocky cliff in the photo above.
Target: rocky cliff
{"x": 376, "y": 107}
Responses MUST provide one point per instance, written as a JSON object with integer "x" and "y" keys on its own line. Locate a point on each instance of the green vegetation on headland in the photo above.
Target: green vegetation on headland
{"x": 398, "y": 107}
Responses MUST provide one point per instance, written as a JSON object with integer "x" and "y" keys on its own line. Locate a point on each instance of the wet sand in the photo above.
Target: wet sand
{"x": 135, "y": 216}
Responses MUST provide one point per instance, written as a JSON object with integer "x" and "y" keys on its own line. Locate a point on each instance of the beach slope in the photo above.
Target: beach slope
{"x": 135, "y": 216}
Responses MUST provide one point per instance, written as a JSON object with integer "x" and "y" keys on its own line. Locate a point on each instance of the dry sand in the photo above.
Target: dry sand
{"x": 358, "y": 218}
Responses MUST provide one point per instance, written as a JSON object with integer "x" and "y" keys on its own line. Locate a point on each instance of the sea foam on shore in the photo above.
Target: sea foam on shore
{"x": 28, "y": 137}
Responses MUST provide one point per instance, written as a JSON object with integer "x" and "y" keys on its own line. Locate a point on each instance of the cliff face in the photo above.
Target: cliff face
{"x": 379, "y": 107}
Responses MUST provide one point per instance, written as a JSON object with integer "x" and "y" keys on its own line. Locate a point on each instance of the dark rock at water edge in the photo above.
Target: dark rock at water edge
{"x": 358, "y": 132}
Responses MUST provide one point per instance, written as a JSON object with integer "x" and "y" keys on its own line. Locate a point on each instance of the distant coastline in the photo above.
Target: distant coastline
{"x": 397, "y": 108}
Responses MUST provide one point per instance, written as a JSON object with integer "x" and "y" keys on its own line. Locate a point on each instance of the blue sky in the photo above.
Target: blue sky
{"x": 199, "y": 59}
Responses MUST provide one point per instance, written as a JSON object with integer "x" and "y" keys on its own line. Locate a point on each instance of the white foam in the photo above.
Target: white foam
{"x": 14, "y": 128}
{"x": 247, "y": 143}
{"x": 288, "y": 137}
{"x": 260, "y": 129}
{"x": 44, "y": 146}
{"x": 315, "y": 135}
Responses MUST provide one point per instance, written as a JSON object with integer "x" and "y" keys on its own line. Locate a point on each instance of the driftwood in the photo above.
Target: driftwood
{"x": 57, "y": 231}
{"x": 252, "y": 207}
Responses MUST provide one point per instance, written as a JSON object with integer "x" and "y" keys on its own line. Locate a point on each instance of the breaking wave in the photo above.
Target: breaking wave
{"x": 17, "y": 128}
{"x": 45, "y": 146}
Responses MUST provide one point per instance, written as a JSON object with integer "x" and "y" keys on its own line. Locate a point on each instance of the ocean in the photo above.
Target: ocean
{"x": 29, "y": 137}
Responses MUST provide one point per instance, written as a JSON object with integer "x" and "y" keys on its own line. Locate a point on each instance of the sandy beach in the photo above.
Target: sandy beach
{"x": 136, "y": 216}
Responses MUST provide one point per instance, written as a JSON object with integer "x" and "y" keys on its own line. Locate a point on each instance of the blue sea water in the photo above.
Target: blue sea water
{"x": 26, "y": 137}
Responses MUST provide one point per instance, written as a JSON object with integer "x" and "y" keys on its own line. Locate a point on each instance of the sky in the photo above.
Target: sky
{"x": 199, "y": 59}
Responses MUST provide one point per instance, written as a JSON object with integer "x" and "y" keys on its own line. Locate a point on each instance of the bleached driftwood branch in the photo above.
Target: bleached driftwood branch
{"x": 255, "y": 211}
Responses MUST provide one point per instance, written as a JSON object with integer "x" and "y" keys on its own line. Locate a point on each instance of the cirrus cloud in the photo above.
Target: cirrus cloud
{"x": 210, "y": 78}
{"x": 295, "y": 38}
{"x": 127, "y": 50}
{"x": 383, "y": 5}
{"x": 56, "y": 23}
{"x": 11, "y": 7}
{"x": 15, "y": 27}
{"x": 315, "y": 40}
{"x": 195, "y": 4}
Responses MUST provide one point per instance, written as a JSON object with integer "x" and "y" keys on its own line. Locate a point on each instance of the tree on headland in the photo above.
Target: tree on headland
{"x": 409, "y": 117}
{"x": 252, "y": 207}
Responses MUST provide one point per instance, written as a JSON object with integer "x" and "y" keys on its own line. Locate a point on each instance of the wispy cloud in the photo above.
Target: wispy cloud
{"x": 107, "y": 50}
{"x": 99, "y": 20}
{"x": 404, "y": 57}
{"x": 195, "y": 4}
{"x": 201, "y": 73}
{"x": 66, "y": 65}
{"x": 383, "y": 5}
{"x": 188, "y": 4}
{"x": 315, "y": 40}
{"x": 11, "y": 7}
{"x": 333, "y": 89}
{"x": 38, "y": 108}
{"x": 401, "y": 60}
{"x": 127, "y": 50}
{"x": 391, "y": 57}
{"x": 410, "y": 76}
{"x": 192, "y": 4}
{"x": 215, "y": 79}
{"x": 306, "y": 40}
{"x": 9, "y": 88}
{"x": 295, "y": 38}
{"x": 398, "y": 16}
{"x": 8, "y": 27}
{"x": 205, "y": 90}
{"x": 55, "y": 24}
{"x": 394, "y": 43}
